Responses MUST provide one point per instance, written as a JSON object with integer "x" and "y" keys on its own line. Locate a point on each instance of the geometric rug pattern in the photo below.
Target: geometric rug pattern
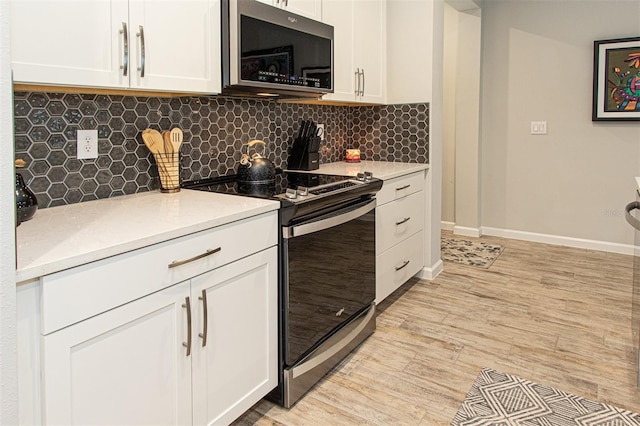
{"x": 469, "y": 252}
{"x": 499, "y": 399}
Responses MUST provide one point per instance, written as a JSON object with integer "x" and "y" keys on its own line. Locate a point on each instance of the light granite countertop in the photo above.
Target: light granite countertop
{"x": 381, "y": 169}
{"x": 638, "y": 183}
{"x": 63, "y": 237}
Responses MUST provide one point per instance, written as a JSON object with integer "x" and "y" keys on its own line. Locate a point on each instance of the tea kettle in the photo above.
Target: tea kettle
{"x": 256, "y": 168}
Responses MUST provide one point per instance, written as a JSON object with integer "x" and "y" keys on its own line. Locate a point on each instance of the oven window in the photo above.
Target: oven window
{"x": 331, "y": 277}
{"x": 275, "y": 54}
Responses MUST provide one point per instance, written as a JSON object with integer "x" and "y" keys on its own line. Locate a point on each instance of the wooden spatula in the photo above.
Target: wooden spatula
{"x": 150, "y": 141}
{"x": 176, "y": 138}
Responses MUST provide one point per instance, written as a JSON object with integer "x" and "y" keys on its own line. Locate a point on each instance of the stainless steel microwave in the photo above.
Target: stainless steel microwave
{"x": 268, "y": 51}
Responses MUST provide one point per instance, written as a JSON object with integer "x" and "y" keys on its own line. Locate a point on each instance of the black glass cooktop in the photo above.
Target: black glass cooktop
{"x": 301, "y": 195}
{"x": 317, "y": 185}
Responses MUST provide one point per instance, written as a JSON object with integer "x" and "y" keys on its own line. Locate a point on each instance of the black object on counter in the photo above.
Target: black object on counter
{"x": 304, "y": 152}
{"x": 256, "y": 168}
{"x": 26, "y": 201}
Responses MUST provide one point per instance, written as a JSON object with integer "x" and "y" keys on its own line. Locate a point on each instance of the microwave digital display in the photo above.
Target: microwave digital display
{"x": 276, "y": 54}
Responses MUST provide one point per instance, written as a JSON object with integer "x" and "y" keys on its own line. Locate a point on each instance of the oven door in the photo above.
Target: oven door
{"x": 329, "y": 275}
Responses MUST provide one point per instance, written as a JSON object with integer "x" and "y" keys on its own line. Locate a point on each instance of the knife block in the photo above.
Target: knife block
{"x": 304, "y": 154}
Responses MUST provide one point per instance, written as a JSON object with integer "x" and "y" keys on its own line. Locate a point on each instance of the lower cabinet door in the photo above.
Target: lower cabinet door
{"x": 237, "y": 363}
{"x": 125, "y": 366}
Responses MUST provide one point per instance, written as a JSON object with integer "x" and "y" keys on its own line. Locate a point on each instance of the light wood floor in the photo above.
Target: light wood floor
{"x": 555, "y": 315}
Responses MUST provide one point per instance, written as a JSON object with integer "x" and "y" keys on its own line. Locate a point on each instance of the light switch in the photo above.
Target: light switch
{"x": 538, "y": 127}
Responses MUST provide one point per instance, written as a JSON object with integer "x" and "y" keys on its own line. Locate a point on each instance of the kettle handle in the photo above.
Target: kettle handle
{"x": 254, "y": 142}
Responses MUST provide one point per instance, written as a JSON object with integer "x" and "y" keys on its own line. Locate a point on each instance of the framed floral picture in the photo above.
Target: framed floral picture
{"x": 616, "y": 79}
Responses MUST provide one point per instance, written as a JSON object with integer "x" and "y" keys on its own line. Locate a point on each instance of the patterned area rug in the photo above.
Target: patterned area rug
{"x": 500, "y": 399}
{"x": 469, "y": 252}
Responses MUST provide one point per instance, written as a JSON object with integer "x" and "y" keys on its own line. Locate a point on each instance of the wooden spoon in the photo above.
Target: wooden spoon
{"x": 166, "y": 137}
{"x": 176, "y": 138}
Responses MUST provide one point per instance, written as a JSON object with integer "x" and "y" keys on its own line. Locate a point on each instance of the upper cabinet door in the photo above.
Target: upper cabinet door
{"x": 359, "y": 49}
{"x": 370, "y": 47}
{"x": 339, "y": 14}
{"x": 175, "y": 45}
{"x": 71, "y": 43}
{"x": 309, "y": 8}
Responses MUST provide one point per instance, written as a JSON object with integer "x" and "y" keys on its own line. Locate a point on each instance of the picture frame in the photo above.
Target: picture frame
{"x": 616, "y": 80}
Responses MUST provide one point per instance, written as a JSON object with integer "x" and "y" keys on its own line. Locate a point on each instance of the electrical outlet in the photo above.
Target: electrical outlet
{"x": 87, "y": 146}
{"x": 538, "y": 127}
{"x": 321, "y": 131}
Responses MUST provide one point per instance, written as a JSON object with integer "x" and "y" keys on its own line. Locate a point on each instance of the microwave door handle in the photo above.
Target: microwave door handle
{"x": 320, "y": 225}
{"x": 634, "y": 205}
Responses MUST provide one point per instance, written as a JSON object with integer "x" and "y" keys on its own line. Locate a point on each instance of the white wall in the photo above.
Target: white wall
{"x": 537, "y": 66}
{"x": 449, "y": 80}
{"x": 8, "y": 362}
{"x": 467, "y": 126}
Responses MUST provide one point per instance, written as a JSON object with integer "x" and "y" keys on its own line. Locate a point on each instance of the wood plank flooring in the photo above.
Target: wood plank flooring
{"x": 555, "y": 315}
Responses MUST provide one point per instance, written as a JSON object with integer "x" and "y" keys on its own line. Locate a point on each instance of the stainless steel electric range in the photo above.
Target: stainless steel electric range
{"x": 327, "y": 269}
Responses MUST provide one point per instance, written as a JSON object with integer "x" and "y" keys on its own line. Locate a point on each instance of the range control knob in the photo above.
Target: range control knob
{"x": 360, "y": 177}
{"x": 303, "y": 191}
{"x": 368, "y": 175}
{"x": 291, "y": 193}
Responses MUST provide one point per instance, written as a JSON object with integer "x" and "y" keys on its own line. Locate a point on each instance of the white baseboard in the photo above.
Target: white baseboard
{"x": 560, "y": 240}
{"x": 447, "y": 226}
{"x": 467, "y": 232}
{"x": 431, "y": 273}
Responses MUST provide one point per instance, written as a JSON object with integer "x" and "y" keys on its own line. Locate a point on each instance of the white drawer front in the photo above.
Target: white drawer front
{"x": 79, "y": 293}
{"x": 398, "y": 220}
{"x": 399, "y": 187}
{"x": 396, "y": 265}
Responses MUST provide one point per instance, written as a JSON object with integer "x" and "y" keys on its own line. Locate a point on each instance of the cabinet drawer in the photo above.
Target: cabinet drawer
{"x": 78, "y": 293}
{"x": 399, "y": 187}
{"x": 396, "y": 265}
{"x": 398, "y": 220}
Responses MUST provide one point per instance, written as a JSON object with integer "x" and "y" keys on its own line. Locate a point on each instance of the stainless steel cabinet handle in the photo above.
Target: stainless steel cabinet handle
{"x": 125, "y": 61}
{"x": 187, "y": 305}
{"x": 405, "y": 220}
{"x": 357, "y": 76}
{"x": 205, "y": 320}
{"x": 363, "y": 81}
{"x": 142, "y": 52}
{"x": 200, "y": 256}
{"x": 403, "y": 187}
{"x": 406, "y": 262}
{"x": 630, "y": 219}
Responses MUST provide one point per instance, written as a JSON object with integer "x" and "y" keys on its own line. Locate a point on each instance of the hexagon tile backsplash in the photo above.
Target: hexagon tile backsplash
{"x": 215, "y": 130}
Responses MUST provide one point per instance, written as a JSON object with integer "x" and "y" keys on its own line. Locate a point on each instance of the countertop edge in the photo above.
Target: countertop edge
{"x": 33, "y": 272}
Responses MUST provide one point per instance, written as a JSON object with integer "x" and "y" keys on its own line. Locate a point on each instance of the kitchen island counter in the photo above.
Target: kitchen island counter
{"x": 63, "y": 237}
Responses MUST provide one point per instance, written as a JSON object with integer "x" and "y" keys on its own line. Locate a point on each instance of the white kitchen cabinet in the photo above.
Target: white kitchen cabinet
{"x": 237, "y": 365}
{"x": 137, "y": 44}
{"x": 400, "y": 218}
{"x": 360, "y": 49}
{"x": 198, "y": 344}
{"x": 124, "y": 366}
{"x": 309, "y": 8}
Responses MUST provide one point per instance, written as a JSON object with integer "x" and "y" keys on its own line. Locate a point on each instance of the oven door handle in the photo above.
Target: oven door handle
{"x": 311, "y": 227}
